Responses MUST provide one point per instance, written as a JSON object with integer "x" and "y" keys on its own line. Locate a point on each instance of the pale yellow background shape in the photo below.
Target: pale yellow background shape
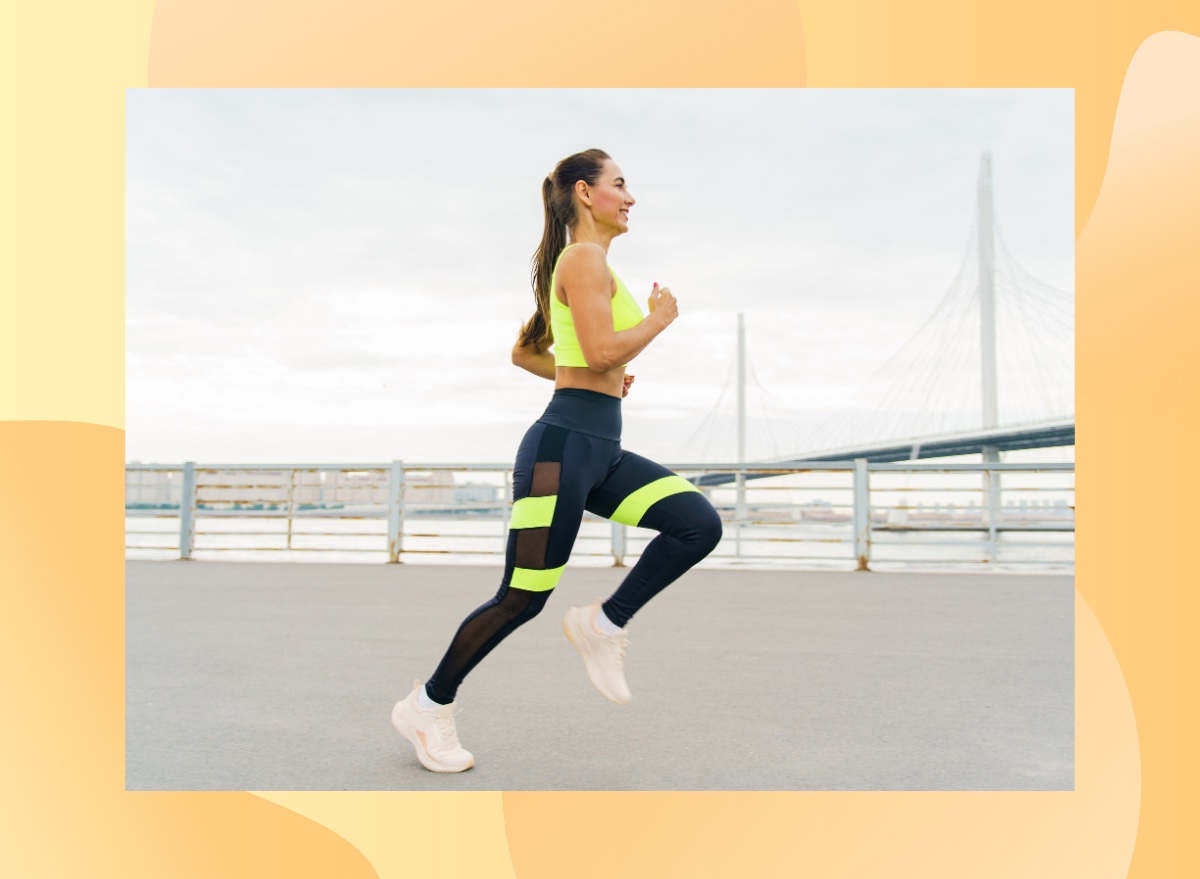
{"x": 62, "y": 284}
{"x": 414, "y": 833}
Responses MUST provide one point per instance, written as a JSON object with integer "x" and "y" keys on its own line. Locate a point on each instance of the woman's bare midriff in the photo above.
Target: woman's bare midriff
{"x": 611, "y": 382}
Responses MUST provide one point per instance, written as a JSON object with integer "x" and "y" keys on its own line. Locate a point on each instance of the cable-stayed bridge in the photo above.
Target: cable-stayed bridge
{"x": 1041, "y": 435}
{"x": 991, "y": 370}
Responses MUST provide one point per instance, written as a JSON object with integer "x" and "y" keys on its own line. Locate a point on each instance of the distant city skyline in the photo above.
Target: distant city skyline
{"x": 339, "y": 275}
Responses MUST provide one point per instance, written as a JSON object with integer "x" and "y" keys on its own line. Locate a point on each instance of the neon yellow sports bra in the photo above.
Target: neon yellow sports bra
{"x": 625, "y": 310}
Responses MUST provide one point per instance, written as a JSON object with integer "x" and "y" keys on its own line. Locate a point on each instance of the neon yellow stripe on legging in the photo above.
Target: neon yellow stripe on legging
{"x": 533, "y": 512}
{"x": 632, "y": 509}
{"x": 535, "y": 581}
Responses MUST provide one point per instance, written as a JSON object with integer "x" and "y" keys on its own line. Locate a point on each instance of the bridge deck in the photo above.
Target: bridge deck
{"x": 268, "y": 676}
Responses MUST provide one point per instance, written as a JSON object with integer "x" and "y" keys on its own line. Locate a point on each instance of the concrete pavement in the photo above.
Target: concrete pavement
{"x": 275, "y": 676}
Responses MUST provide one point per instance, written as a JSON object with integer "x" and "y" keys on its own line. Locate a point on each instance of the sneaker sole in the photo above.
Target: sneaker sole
{"x": 587, "y": 661}
{"x": 405, "y": 729}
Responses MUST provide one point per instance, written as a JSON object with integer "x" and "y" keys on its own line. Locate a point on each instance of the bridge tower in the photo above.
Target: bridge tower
{"x": 987, "y": 290}
{"x": 987, "y": 324}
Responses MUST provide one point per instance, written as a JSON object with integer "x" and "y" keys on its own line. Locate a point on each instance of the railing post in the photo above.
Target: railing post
{"x": 618, "y": 545}
{"x": 395, "y": 512}
{"x": 862, "y": 514}
{"x": 291, "y": 504}
{"x": 991, "y": 490}
{"x": 187, "y": 512}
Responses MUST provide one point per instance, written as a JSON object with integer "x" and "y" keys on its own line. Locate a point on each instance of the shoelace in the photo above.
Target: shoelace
{"x": 446, "y": 730}
{"x": 620, "y": 642}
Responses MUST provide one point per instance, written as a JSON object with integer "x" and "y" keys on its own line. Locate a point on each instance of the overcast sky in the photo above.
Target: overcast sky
{"x": 339, "y": 275}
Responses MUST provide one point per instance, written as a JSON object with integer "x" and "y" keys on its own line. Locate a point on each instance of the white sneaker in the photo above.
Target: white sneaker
{"x": 603, "y": 654}
{"x": 432, "y": 733}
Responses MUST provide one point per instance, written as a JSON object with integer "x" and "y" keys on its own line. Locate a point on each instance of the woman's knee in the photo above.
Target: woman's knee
{"x": 690, "y": 518}
{"x": 708, "y": 526}
{"x": 521, "y": 605}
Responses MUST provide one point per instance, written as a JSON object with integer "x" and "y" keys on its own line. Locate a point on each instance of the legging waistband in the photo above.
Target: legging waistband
{"x": 589, "y": 412}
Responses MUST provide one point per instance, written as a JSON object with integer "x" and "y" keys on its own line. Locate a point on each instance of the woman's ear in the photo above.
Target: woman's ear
{"x": 584, "y": 192}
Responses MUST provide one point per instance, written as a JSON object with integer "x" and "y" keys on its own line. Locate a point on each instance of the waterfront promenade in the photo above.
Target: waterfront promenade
{"x": 276, "y": 676}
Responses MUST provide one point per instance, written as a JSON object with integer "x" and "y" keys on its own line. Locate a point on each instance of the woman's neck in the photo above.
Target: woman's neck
{"x": 586, "y": 231}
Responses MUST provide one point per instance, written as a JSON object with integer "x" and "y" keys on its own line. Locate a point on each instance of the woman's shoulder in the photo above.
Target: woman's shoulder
{"x": 584, "y": 252}
{"x": 582, "y": 260}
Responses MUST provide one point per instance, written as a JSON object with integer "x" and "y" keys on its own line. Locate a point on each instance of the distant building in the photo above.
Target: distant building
{"x": 224, "y": 489}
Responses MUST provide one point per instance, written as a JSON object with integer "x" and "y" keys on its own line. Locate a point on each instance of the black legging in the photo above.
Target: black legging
{"x": 569, "y": 461}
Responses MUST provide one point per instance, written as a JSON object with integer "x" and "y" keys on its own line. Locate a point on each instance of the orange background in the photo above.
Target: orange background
{"x": 64, "y": 810}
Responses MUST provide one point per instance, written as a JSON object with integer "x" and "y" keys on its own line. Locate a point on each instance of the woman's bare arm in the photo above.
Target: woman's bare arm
{"x": 588, "y": 286}
{"x": 540, "y": 363}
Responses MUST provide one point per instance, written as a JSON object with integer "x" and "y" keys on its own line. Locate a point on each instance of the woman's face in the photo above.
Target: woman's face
{"x": 611, "y": 199}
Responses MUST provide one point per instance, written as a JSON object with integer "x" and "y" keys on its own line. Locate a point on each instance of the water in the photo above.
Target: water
{"x": 481, "y": 541}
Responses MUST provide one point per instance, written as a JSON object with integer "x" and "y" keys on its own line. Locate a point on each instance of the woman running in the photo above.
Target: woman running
{"x": 571, "y": 459}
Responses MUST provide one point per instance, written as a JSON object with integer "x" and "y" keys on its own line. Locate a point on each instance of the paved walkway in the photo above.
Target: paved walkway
{"x": 268, "y": 676}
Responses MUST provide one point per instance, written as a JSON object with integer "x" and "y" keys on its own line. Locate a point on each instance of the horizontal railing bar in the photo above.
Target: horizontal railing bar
{"x": 1048, "y": 514}
{"x": 966, "y": 561}
{"x": 908, "y": 529}
{"x": 963, "y": 561}
{"x": 498, "y": 554}
{"x": 715, "y": 467}
{"x": 733, "y": 557}
{"x": 754, "y": 488}
{"x": 979, "y": 518}
{"x": 298, "y": 514}
{"x": 325, "y": 514}
{"x": 376, "y": 534}
{"x": 284, "y": 549}
{"x": 881, "y": 489}
{"x": 972, "y": 467}
{"x": 774, "y": 523}
{"x": 924, "y": 543}
{"x": 341, "y": 468}
{"x": 876, "y": 485}
{"x": 486, "y": 552}
{"x": 751, "y": 538}
{"x": 1050, "y": 541}
{"x": 308, "y": 467}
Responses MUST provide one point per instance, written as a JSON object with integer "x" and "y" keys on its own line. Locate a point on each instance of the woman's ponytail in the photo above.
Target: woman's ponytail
{"x": 558, "y": 206}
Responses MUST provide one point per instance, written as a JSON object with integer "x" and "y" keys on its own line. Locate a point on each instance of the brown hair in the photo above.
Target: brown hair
{"x": 559, "y": 205}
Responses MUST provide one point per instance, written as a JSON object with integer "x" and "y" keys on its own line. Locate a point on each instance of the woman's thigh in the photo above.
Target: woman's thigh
{"x": 554, "y": 471}
{"x": 632, "y": 486}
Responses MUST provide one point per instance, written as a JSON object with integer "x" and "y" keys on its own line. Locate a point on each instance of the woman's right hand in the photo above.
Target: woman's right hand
{"x": 663, "y": 304}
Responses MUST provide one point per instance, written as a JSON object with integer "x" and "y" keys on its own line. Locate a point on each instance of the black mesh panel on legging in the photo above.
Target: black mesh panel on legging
{"x": 482, "y": 630}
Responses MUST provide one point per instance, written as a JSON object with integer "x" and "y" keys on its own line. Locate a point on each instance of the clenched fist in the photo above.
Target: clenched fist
{"x": 663, "y": 304}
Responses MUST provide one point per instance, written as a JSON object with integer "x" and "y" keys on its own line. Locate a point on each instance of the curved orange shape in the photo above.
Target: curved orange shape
{"x": 62, "y": 652}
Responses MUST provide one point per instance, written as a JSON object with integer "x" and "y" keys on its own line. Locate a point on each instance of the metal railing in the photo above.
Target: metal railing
{"x": 834, "y": 513}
